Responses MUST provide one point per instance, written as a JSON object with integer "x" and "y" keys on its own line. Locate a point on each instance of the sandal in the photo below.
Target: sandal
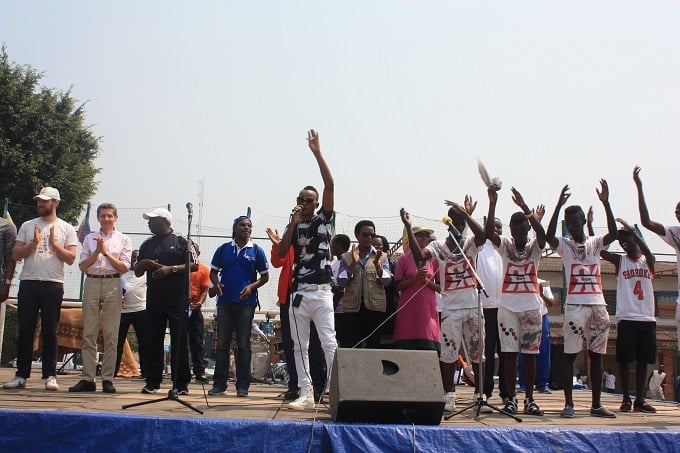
{"x": 531, "y": 408}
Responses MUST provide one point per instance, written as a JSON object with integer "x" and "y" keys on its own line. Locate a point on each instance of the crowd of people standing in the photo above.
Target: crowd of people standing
{"x": 334, "y": 292}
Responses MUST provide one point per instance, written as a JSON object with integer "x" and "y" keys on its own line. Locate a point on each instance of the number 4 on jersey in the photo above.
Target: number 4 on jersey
{"x": 638, "y": 291}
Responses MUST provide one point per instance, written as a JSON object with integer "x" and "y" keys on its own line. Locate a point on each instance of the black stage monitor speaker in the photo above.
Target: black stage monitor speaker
{"x": 386, "y": 386}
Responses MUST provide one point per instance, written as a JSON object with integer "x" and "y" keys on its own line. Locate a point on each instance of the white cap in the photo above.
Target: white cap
{"x": 159, "y": 212}
{"x": 48, "y": 193}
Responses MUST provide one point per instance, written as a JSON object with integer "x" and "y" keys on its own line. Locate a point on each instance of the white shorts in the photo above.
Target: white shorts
{"x": 460, "y": 324}
{"x": 589, "y": 323}
{"x": 520, "y": 331}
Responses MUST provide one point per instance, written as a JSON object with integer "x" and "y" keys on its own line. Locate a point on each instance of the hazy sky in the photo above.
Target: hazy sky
{"x": 405, "y": 96}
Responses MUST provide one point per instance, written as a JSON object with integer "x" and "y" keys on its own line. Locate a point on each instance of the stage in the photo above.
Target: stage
{"x": 36, "y": 419}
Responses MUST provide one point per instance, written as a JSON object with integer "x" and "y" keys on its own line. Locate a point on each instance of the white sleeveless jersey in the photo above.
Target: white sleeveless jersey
{"x": 520, "y": 290}
{"x": 582, "y": 268}
{"x": 457, "y": 281}
{"x": 634, "y": 290}
{"x": 672, "y": 238}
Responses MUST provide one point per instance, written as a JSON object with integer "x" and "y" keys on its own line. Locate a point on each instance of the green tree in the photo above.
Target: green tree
{"x": 43, "y": 142}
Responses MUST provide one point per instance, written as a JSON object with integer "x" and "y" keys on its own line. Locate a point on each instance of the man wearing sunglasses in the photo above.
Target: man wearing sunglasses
{"x": 311, "y": 298}
{"x": 364, "y": 273}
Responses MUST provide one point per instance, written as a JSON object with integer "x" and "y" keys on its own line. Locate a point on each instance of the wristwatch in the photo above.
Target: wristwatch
{"x": 174, "y": 269}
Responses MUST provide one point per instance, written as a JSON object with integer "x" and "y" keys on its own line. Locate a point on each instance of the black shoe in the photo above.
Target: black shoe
{"x": 107, "y": 387}
{"x": 148, "y": 388}
{"x": 83, "y": 386}
{"x": 182, "y": 391}
{"x": 202, "y": 378}
{"x": 291, "y": 395}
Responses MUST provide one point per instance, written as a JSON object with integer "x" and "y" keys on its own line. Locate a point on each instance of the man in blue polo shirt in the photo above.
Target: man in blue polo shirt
{"x": 233, "y": 273}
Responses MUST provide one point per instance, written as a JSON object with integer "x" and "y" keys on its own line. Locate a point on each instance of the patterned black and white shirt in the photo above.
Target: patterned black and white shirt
{"x": 311, "y": 240}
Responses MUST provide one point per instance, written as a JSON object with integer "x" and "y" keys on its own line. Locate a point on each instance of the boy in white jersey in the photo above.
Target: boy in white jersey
{"x": 669, "y": 234}
{"x": 585, "y": 311}
{"x": 519, "y": 314}
{"x": 459, "y": 315}
{"x": 636, "y": 324}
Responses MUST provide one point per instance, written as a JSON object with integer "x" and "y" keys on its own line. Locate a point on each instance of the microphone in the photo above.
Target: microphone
{"x": 190, "y": 208}
{"x": 448, "y": 221}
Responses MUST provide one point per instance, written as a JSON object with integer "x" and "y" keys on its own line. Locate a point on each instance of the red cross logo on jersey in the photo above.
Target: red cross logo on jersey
{"x": 520, "y": 278}
{"x": 456, "y": 276}
{"x": 585, "y": 279}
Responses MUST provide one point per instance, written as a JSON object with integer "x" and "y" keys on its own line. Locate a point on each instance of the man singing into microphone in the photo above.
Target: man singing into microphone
{"x": 311, "y": 296}
{"x": 459, "y": 317}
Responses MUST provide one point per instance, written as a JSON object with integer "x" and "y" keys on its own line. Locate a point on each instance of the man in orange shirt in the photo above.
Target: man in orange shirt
{"x": 200, "y": 283}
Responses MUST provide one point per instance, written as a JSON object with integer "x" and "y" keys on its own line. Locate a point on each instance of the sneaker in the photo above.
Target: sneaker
{"x": 183, "y": 391}
{"x": 241, "y": 393}
{"x": 567, "y": 412}
{"x": 148, "y": 388}
{"x": 202, "y": 378}
{"x": 531, "y": 408}
{"x": 602, "y": 412}
{"x": 107, "y": 387}
{"x": 83, "y": 386}
{"x": 644, "y": 407}
{"x": 51, "y": 384}
{"x": 626, "y": 405}
{"x": 484, "y": 409}
{"x": 304, "y": 401}
{"x": 510, "y": 406}
{"x": 450, "y": 402}
{"x": 544, "y": 390}
{"x": 291, "y": 395}
{"x": 17, "y": 383}
{"x": 215, "y": 391}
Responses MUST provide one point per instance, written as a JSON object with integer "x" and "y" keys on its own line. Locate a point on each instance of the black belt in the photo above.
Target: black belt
{"x": 103, "y": 276}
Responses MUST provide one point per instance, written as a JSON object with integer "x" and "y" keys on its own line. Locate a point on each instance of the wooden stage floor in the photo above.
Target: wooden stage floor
{"x": 265, "y": 402}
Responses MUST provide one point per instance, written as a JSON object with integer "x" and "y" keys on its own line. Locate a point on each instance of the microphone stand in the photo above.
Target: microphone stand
{"x": 182, "y": 334}
{"x": 478, "y": 400}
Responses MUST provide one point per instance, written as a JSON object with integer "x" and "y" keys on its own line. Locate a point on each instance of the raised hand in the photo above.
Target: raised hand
{"x": 101, "y": 247}
{"x": 564, "y": 196}
{"x": 456, "y": 207}
{"x": 603, "y": 194}
{"x": 636, "y": 176}
{"x": 376, "y": 259}
{"x": 313, "y": 141}
{"x": 53, "y": 237}
{"x": 469, "y": 205}
{"x": 273, "y": 235}
{"x": 540, "y": 212}
{"x": 37, "y": 235}
{"x": 355, "y": 254}
{"x": 518, "y": 199}
{"x": 405, "y": 218}
{"x": 589, "y": 216}
{"x": 492, "y": 191}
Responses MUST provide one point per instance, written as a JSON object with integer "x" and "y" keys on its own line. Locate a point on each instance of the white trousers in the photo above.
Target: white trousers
{"x": 316, "y": 306}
